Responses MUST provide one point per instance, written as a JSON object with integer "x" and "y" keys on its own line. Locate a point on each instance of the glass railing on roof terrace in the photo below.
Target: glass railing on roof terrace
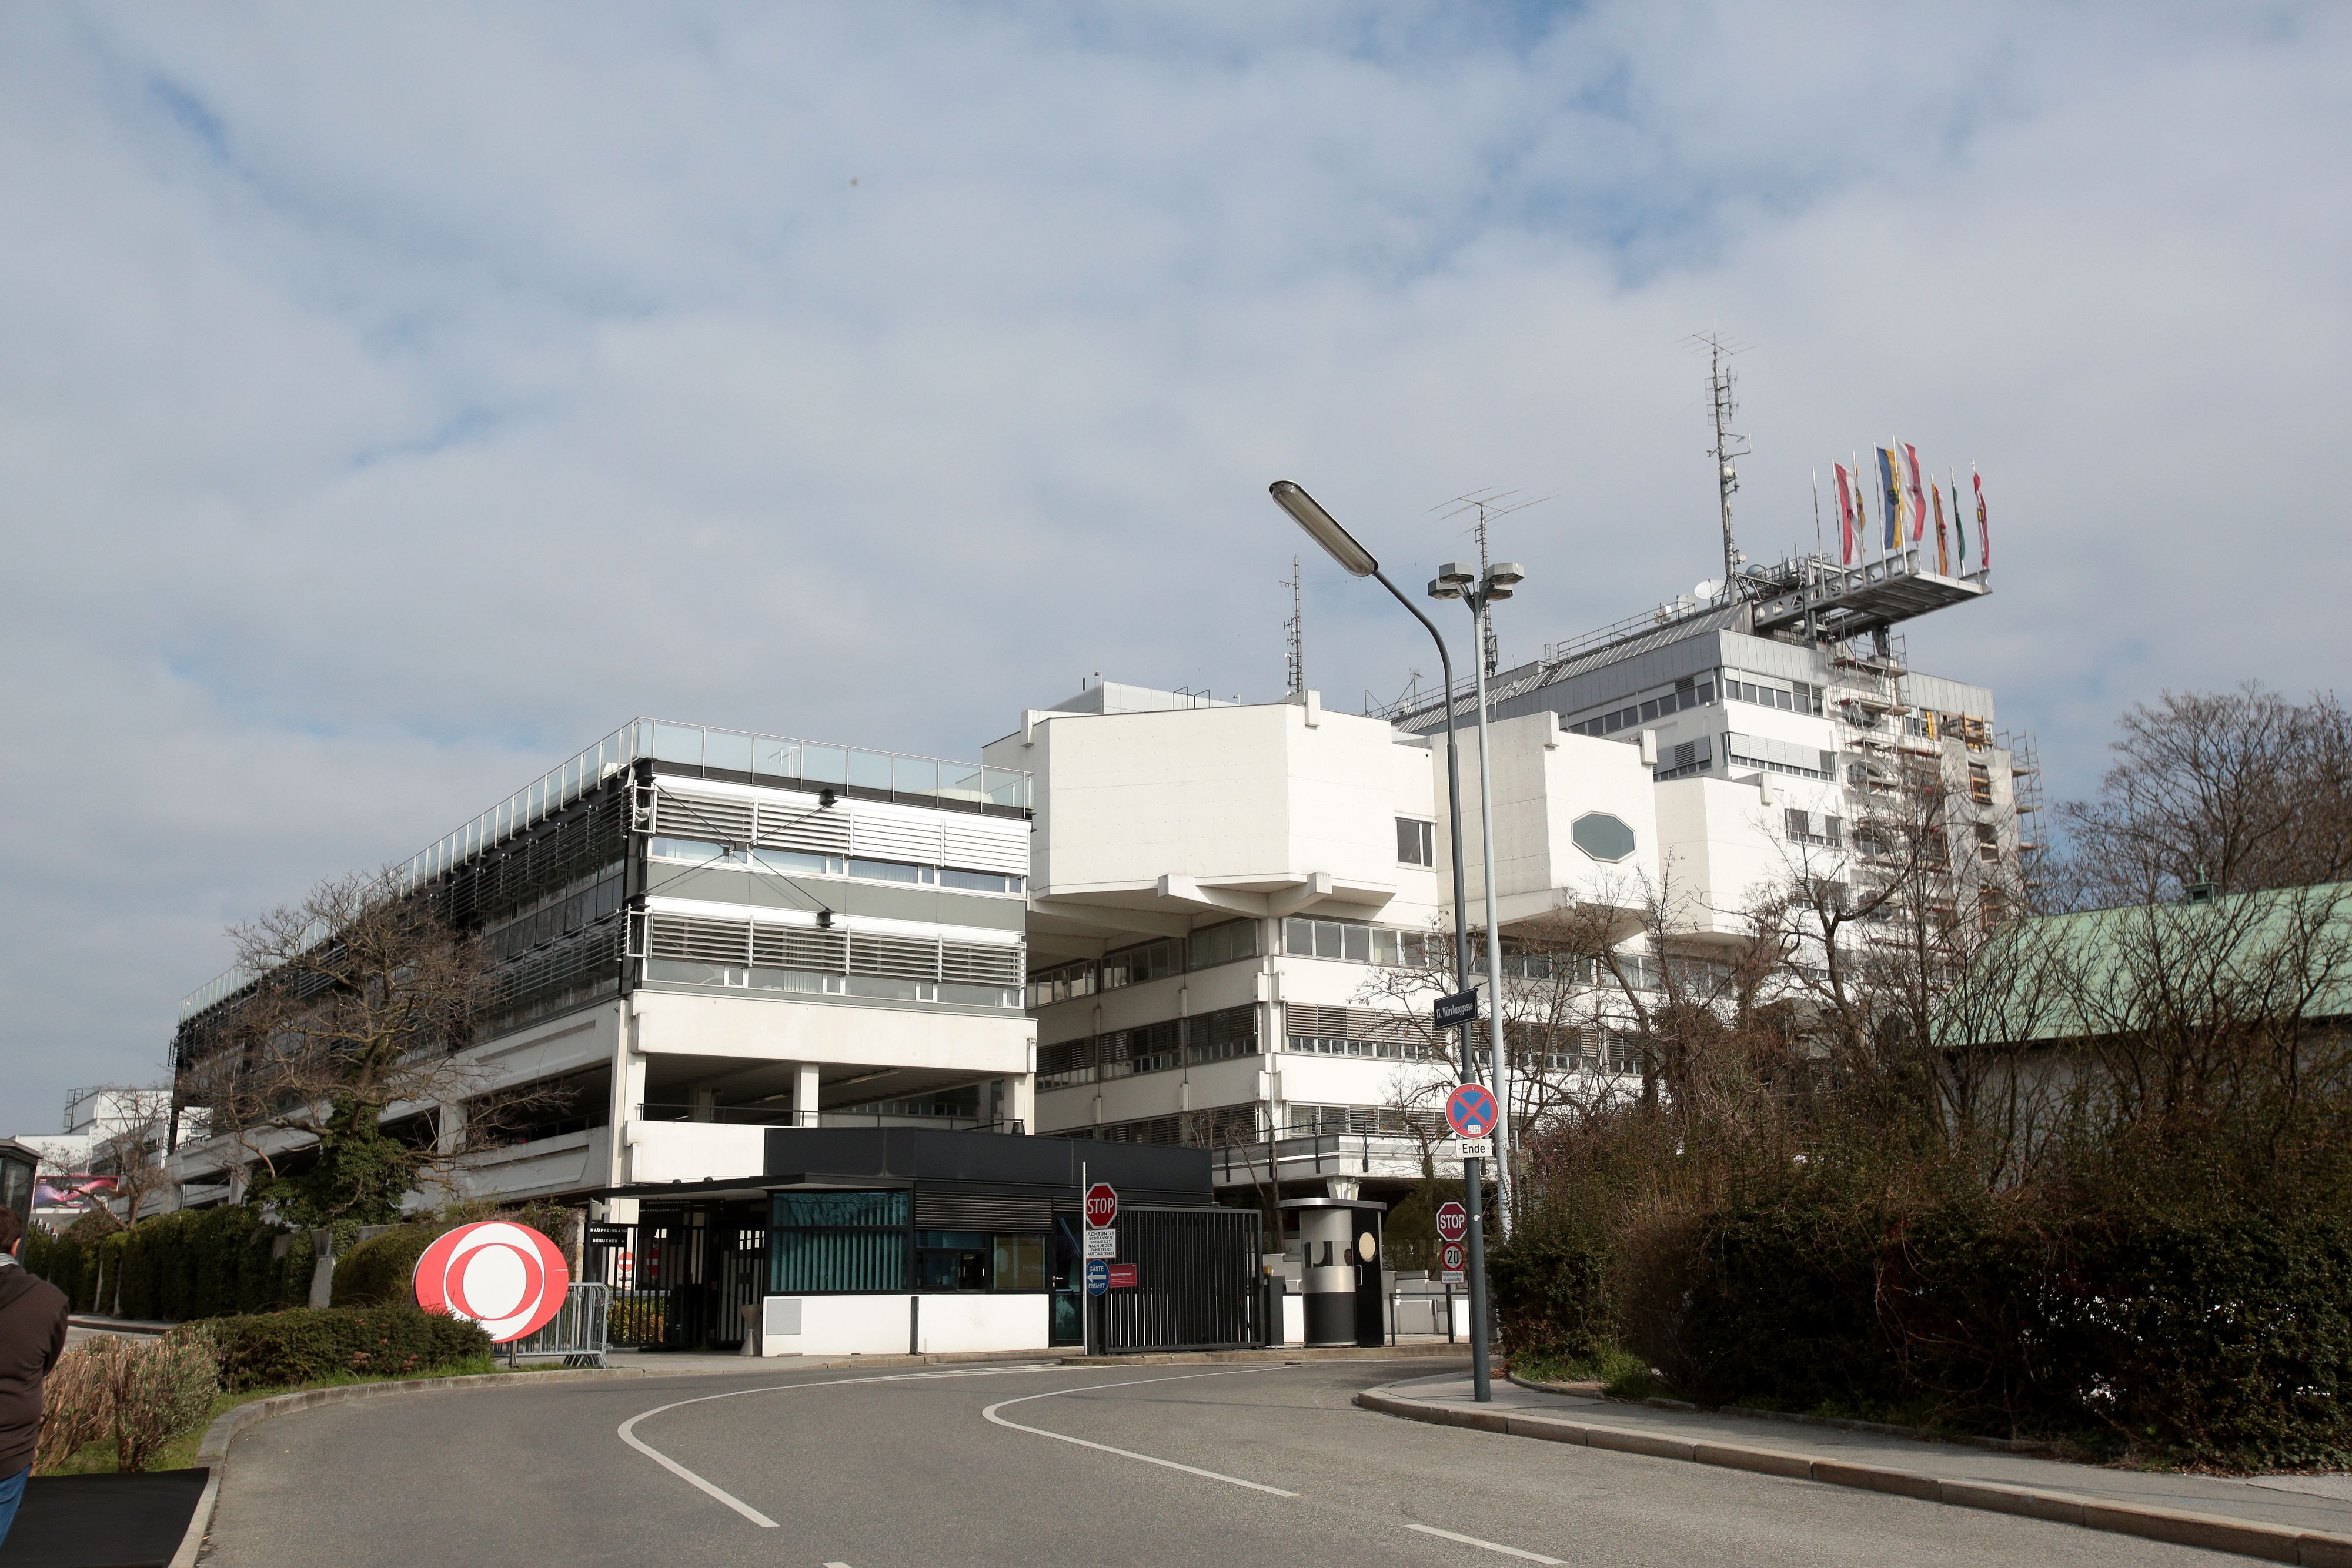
{"x": 727, "y": 751}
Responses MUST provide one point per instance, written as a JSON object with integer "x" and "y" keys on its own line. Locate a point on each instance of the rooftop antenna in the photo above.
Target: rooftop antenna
{"x": 1483, "y": 505}
{"x": 1294, "y": 630}
{"x": 1723, "y": 396}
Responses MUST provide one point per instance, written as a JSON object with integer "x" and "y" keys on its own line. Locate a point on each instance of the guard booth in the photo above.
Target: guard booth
{"x": 1340, "y": 1239}
{"x": 896, "y": 1241}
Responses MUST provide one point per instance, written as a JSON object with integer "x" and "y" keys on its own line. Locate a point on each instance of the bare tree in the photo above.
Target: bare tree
{"x": 2240, "y": 790}
{"x": 328, "y": 1074}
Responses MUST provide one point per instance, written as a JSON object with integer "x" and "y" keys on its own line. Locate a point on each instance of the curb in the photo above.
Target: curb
{"x": 212, "y": 1454}
{"x": 1272, "y": 1353}
{"x": 2213, "y": 1532}
{"x": 2025, "y": 1446}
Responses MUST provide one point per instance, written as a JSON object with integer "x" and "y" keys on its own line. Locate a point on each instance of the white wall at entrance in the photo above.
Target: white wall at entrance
{"x": 693, "y": 1151}
{"x": 887, "y": 1325}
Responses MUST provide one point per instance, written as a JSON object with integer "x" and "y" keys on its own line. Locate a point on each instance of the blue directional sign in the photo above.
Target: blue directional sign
{"x": 1097, "y": 1276}
{"x": 1471, "y": 1111}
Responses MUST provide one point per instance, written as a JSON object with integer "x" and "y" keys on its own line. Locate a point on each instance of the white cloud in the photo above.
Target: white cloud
{"x": 397, "y": 400}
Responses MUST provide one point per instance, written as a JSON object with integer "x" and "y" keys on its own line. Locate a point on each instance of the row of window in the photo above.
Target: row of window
{"x": 1797, "y": 696}
{"x": 1688, "y": 693}
{"x": 1154, "y": 960}
{"x": 857, "y": 867}
{"x": 862, "y": 1242}
{"x": 1360, "y": 944}
{"x": 1217, "y": 1036}
{"x": 556, "y": 919}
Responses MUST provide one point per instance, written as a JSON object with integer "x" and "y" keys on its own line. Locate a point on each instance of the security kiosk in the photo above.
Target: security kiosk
{"x": 1339, "y": 1241}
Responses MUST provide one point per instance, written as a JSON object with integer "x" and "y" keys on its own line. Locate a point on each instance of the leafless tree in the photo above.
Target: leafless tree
{"x": 2241, "y": 789}
{"x": 327, "y": 1076}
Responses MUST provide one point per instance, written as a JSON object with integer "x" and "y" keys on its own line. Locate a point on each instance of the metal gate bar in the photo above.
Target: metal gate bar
{"x": 1196, "y": 1282}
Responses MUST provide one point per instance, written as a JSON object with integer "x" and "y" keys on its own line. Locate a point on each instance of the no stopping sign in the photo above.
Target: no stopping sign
{"x": 506, "y": 1277}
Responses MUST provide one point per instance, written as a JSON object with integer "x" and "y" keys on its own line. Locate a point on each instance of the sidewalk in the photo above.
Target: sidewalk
{"x": 2284, "y": 1519}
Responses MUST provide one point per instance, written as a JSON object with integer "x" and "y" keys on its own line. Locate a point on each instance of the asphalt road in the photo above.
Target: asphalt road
{"x": 1172, "y": 1464}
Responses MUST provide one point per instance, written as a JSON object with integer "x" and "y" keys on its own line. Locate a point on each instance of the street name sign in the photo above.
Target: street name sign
{"x": 1461, "y": 1008}
{"x": 1453, "y": 1221}
{"x": 508, "y": 1278}
{"x": 1471, "y": 1112}
{"x": 1097, "y": 1276}
{"x": 1102, "y": 1243}
{"x": 1120, "y": 1276}
{"x": 1102, "y": 1205}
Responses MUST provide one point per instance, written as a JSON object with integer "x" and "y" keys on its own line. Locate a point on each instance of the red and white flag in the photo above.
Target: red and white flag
{"x": 1845, "y": 515}
{"x": 1918, "y": 501}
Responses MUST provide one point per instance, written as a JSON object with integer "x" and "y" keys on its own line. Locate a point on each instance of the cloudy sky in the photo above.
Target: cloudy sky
{"x": 396, "y": 399}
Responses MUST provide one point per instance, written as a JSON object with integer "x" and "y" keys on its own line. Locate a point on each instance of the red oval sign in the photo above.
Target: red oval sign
{"x": 506, "y": 1277}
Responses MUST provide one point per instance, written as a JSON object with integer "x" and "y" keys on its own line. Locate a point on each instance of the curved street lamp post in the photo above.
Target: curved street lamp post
{"x": 1358, "y": 561}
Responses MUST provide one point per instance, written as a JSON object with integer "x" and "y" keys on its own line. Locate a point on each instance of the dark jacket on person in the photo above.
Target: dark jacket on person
{"x": 32, "y": 1337}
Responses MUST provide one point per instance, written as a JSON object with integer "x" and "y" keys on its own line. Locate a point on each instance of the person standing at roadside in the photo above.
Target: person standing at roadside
{"x": 32, "y": 1337}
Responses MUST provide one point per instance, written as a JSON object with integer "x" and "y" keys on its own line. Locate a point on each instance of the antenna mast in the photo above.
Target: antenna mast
{"x": 1294, "y": 630}
{"x": 1723, "y": 398}
{"x": 1487, "y": 504}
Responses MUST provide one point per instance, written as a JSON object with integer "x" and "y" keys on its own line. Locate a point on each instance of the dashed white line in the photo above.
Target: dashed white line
{"x": 737, "y": 1504}
{"x": 1489, "y": 1545}
{"x": 991, "y": 1413}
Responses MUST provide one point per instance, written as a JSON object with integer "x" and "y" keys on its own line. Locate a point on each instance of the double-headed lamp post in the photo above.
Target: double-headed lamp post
{"x": 1454, "y": 580}
{"x": 1358, "y": 561}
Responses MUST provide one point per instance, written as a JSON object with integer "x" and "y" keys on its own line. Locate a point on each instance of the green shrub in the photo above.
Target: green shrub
{"x": 302, "y": 1344}
{"x": 381, "y": 1269}
{"x": 1551, "y": 1303}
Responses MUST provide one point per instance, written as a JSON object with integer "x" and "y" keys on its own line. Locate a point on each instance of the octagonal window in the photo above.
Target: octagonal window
{"x": 1602, "y": 836}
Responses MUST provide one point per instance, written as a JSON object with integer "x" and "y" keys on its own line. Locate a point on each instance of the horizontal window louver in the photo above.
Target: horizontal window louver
{"x": 884, "y": 834}
{"x": 983, "y": 966}
{"x": 1301, "y": 1020}
{"x": 981, "y": 1211}
{"x": 898, "y": 957}
{"x": 987, "y": 845}
{"x": 693, "y": 936}
{"x": 726, "y": 820}
{"x": 797, "y": 947}
{"x": 818, "y": 830}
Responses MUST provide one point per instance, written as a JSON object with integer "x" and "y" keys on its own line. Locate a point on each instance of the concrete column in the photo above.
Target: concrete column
{"x": 702, "y": 1105}
{"x": 451, "y": 1123}
{"x": 1024, "y": 1108}
{"x": 806, "y": 1095}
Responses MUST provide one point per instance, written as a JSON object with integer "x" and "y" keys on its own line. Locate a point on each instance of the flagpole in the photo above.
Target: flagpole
{"x": 1817, "y": 511}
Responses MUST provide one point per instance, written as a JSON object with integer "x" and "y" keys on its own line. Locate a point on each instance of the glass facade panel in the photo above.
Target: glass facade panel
{"x": 837, "y": 1241}
{"x": 869, "y": 769}
{"x": 778, "y": 758}
{"x": 677, "y": 743}
{"x": 914, "y": 776}
{"x": 825, "y": 764}
{"x": 726, "y": 749}
{"x": 1020, "y": 1262}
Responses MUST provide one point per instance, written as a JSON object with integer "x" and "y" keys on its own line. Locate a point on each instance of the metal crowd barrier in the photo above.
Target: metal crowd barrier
{"x": 577, "y": 1333}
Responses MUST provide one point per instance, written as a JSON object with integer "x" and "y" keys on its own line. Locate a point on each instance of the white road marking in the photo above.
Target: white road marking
{"x": 1474, "y": 1540}
{"x": 991, "y": 1413}
{"x": 737, "y": 1504}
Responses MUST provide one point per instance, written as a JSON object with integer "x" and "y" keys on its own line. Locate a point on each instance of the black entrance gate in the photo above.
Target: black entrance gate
{"x": 1196, "y": 1282}
{"x": 681, "y": 1280}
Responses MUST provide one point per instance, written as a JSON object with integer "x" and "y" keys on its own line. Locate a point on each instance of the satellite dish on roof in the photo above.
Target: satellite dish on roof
{"x": 1705, "y": 588}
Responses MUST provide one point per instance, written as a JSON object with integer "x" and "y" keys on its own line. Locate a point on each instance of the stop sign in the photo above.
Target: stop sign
{"x": 1102, "y": 1204}
{"x": 1453, "y": 1221}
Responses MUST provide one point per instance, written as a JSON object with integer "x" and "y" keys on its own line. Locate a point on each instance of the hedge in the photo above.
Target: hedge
{"x": 383, "y": 1268}
{"x": 201, "y": 1262}
{"x": 2220, "y": 1335}
{"x": 303, "y": 1344}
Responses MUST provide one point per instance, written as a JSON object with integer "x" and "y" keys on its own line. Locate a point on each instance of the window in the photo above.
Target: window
{"x": 1235, "y": 939}
{"x": 1149, "y": 961}
{"x": 850, "y": 1242}
{"x": 890, "y": 870}
{"x": 1063, "y": 983}
{"x": 1416, "y": 842}
{"x": 1980, "y": 784}
{"x": 952, "y": 1260}
{"x": 1020, "y": 1263}
{"x": 1602, "y": 836}
{"x": 979, "y": 881}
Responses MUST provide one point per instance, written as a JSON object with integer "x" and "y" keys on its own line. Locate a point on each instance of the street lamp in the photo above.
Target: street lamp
{"x": 1454, "y": 580}
{"x": 1358, "y": 561}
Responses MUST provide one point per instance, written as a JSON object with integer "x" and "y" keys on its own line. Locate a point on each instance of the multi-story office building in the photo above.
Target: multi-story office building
{"x": 700, "y": 933}
{"x": 1238, "y": 913}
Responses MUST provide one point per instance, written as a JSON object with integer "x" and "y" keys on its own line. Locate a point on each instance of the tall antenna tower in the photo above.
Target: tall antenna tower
{"x": 1722, "y": 389}
{"x": 1294, "y": 630}
{"x": 1483, "y": 507}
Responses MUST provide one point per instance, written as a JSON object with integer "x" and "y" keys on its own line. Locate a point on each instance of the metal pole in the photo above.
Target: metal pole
{"x": 1454, "y": 818}
{"x": 1086, "y": 1296}
{"x": 1497, "y": 1067}
{"x": 1482, "y": 1388}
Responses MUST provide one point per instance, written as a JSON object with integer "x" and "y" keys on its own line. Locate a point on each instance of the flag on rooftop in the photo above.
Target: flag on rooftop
{"x": 1845, "y": 515}
{"x": 1918, "y": 504}
{"x": 1890, "y": 485}
{"x": 1984, "y": 530}
{"x": 1943, "y": 551}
